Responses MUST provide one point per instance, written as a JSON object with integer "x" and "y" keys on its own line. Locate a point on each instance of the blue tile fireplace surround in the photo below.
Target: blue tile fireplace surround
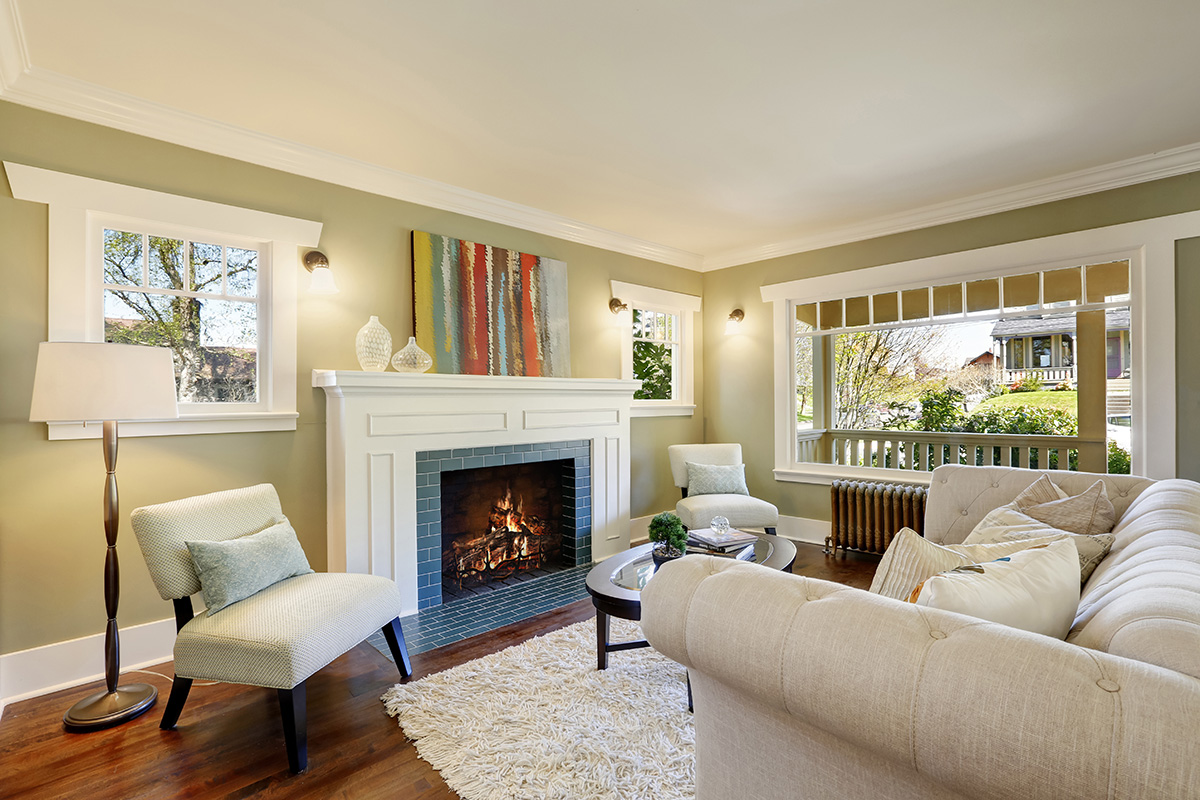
{"x": 576, "y": 476}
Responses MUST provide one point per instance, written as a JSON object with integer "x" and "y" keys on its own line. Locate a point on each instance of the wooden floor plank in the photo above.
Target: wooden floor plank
{"x": 229, "y": 742}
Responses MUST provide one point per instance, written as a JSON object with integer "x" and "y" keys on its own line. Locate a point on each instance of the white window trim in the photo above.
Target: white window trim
{"x": 686, "y": 306}
{"x": 78, "y": 206}
{"x": 1149, "y": 245}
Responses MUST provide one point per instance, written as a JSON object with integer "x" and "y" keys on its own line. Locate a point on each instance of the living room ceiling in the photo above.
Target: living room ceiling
{"x": 701, "y": 133}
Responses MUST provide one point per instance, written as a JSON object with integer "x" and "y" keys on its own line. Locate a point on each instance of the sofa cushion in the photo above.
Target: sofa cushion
{"x": 910, "y": 559}
{"x": 1036, "y": 589}
{"x": 1143, "y": 601}
{"x": 1007, "y": 524}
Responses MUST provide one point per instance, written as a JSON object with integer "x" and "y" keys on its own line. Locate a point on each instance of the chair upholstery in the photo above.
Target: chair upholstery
{"x": 697, "y": 511}
{"x": 282, "y": 635}
{"x": 276, "y": 638}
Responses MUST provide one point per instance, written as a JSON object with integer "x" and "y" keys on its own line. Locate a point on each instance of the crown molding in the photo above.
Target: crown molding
{"x": 46, "y": 90}
{"x": 14, "y": 56}
{"x": 22, "y": 83}
{"x": 1164, "y": 164}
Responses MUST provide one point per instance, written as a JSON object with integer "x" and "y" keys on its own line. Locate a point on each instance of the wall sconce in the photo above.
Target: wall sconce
{"x": 322, "y": 278}
{"x": 734, "y": 323}
{"x": 616, "y": 306}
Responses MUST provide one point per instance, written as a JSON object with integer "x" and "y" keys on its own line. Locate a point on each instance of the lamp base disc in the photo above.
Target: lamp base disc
{"x": 105, "y": 709}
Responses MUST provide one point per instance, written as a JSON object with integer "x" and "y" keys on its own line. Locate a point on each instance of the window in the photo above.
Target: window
{"x": 200, "y": 299}
{"x": 214, "y": 283}
{"x": 657, "y": 348}
{"x": 911, "y": 379}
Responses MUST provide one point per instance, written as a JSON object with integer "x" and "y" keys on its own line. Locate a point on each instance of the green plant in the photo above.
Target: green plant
{"x": 667, "y": 533}
{"x": 1030, "y": 382}
{"x": 941, "y": 411}
{"x": 1119, "y": 459}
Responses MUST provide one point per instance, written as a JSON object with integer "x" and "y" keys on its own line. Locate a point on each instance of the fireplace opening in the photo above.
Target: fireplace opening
{"x": 501, "y": 524}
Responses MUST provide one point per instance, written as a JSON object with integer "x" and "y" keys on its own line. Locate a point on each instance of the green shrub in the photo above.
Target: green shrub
{"x": 666, "y": 530}
{"x": 1030, "y": 382}
{"x": 941, "y": 410}
{"x": 1119, "y": 459}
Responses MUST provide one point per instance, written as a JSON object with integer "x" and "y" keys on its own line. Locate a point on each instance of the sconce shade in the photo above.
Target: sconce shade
{"x": 99, "y": 381}
{"x": 322, "y": 282}
{"x": 322, "y": 277}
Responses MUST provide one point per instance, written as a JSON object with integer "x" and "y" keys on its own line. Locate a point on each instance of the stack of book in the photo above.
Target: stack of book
{"x": 706, "y": 539}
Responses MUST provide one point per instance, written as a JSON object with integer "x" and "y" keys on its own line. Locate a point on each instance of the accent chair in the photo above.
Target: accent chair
{"x": 276, "y": 637}
{"x": 696, "y": 509}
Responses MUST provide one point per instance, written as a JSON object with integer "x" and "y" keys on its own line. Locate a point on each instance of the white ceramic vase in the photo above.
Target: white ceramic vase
{"x": 373, "y": 346}
{"x": 411, "y": 358}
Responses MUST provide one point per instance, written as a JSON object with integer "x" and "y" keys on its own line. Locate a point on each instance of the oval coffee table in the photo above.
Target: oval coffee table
{"x": 616, "y": 584}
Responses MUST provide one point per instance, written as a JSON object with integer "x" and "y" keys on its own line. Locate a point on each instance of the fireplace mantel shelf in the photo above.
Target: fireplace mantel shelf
{"x": 376, "y": 423}
{"x": 355, "y": 381}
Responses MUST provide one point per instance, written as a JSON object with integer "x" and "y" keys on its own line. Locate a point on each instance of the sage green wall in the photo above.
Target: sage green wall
{"x": 51, "y": 539}
{"x": 738, "y": 369}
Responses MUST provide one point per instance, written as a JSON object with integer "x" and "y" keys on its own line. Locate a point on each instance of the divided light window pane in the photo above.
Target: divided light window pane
{"x": 887, "y": 308}
{"x": 983, "y": 296}
{"x": 858, "y": 312}
{"x": 1020, "y": 292}
{"x": 155, "y": 295}
{"x": 915, "y": 303}
{"x": 831, "y": 314}
{"x": 1061, "y": 287}
{"x": 1107, "y": 283}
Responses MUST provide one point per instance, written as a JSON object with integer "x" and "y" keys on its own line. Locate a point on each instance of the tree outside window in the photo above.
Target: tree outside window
{"x": 655, "y": 353}
{"x": 199, "y": 299}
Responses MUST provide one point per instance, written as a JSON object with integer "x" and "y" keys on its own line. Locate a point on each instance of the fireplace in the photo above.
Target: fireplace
{"x": 391, "y": 436}
{"x": 500, "y": 523}
{"x": 492, "y": 515}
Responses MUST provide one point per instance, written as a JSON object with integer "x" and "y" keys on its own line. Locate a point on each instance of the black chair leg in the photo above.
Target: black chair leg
{"x": 179, "y": 695}
{"x": 395, "y": 639}
{"x": 295, "y": 726}
{"x": 769, "y": 531}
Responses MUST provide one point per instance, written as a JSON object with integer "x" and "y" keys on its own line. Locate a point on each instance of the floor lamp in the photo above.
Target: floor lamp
{"x": 90, "y": 382}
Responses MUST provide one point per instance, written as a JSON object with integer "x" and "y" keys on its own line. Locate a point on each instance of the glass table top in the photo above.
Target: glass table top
{"x": 638, "y": 572}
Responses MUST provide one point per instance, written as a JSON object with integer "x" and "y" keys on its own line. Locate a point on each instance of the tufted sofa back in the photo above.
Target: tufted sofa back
{"x": 960, "y": 496}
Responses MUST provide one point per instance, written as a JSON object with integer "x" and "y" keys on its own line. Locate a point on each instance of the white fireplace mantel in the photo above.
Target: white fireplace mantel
{"x": 376, "y": 423}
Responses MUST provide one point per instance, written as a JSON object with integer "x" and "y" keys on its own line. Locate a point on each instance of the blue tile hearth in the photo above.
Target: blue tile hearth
{"x": 431, "y": 628}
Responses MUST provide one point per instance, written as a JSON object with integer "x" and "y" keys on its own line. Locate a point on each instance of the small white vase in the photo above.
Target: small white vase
{"x": 373, "y": 346}
{"x": 411, "y": 358}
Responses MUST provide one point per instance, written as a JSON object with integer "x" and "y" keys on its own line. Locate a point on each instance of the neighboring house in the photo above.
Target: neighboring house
{"x": 1046, "y": 346}
{"x": 1043, "y": 348}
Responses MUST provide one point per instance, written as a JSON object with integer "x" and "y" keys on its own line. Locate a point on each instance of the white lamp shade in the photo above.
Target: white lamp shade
{"x": 97, "y": 381}
{"x": 322, "y": 281}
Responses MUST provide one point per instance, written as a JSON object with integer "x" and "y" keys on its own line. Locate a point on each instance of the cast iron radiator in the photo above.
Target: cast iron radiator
{"x": 867, "y": 515}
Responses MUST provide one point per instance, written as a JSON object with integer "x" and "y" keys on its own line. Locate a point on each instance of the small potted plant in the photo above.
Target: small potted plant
{"x": 668, "y": 536}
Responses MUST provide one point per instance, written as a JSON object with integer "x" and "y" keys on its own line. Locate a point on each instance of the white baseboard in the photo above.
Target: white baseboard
{"x": 803, "y": 529}
{"x": 639, "y": 530}
{"x": 798, "y": 529}
{"x": 42, "y": 670}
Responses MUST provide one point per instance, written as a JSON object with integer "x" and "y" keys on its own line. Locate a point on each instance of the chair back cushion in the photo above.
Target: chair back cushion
{"x": 162, "y": 529}
{"x": 681, "y": 454}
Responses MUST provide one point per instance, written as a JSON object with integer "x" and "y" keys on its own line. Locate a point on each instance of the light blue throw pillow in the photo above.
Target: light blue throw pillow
{"x": 716, "y": 479}
{"x": 234, "y": 569}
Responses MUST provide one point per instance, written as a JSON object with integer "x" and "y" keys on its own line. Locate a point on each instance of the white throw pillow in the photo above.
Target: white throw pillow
{"x": 1035, "y": 589}
{"x": 1006, "y": 524}
{"x": 910, "y": 558}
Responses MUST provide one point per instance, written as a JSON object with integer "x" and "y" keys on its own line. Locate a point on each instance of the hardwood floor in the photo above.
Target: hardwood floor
{"x": 229, "y": 742}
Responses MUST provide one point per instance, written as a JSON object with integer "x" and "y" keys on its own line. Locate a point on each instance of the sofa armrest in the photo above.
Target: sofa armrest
{"x": 983, "y": 709}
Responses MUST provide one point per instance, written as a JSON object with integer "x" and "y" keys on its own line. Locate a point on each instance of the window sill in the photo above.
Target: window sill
{"x": 243, "y": 422}
{"x": 825, "y": 474}
{"x": 661, "y": 411}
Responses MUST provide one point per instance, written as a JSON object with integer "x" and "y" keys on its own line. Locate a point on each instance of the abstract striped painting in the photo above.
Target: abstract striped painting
{"x": 483, "y": 310}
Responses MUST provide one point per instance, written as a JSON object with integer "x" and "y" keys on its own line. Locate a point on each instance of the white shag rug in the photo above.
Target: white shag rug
{"x": 538, "y": 721}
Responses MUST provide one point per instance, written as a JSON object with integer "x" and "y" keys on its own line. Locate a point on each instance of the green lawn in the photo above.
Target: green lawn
{"x": 1063, "y": 400}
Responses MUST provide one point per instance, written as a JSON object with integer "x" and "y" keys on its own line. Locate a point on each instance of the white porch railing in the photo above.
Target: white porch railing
{"x": 1049, "y": 376}
{"x": 925, "y": 450}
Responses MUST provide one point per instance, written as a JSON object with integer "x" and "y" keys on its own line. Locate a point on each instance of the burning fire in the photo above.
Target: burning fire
{"x": 512, "y": 517}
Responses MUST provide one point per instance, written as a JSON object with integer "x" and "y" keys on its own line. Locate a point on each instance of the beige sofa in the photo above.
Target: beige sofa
{"x": 809, "y": 689}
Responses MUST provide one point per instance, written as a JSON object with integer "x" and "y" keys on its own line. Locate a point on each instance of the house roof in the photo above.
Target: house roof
{"x": 1114, "y": 319}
